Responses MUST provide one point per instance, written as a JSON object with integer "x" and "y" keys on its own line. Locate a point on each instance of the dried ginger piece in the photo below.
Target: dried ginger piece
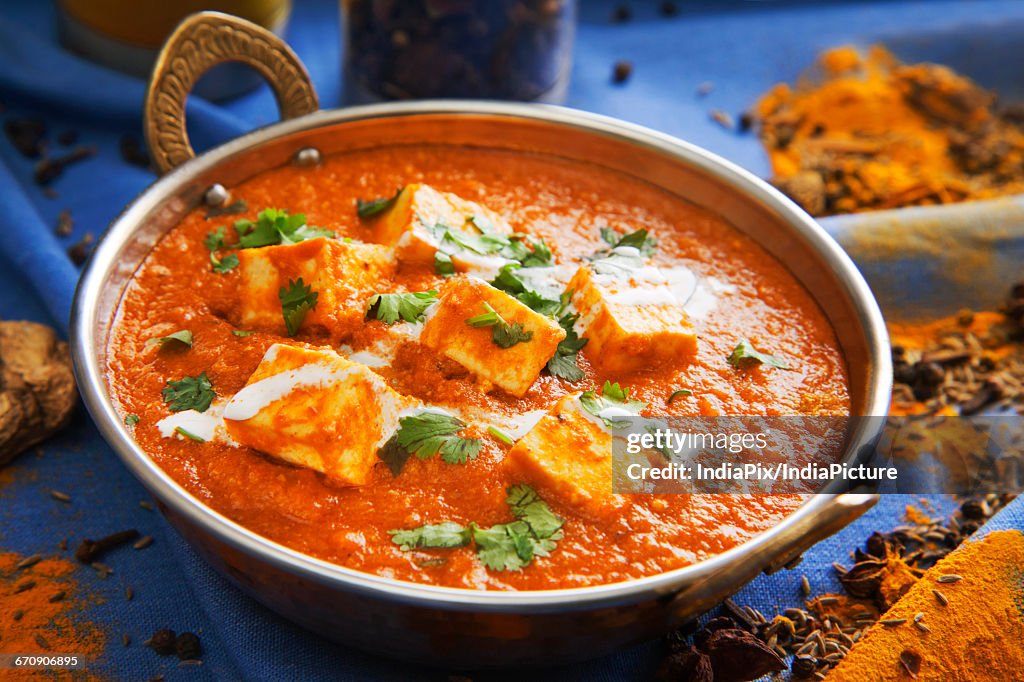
{"x": 37, "y": 386}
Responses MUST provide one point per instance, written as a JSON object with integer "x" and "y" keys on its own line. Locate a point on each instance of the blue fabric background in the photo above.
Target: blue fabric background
{"x": 741, "y": 47}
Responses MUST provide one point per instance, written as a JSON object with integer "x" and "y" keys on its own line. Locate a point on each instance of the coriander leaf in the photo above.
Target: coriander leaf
{"x": 610, "y": 236}
{"x": 527, "y": 506}
{"x": 297, "y": 300}
{"x": 745, "y": 356}
{"x": 508, "y": 281}
{"x": 443, "y": 265}
{"x": 639, "y": 240}
{"x": 614, "y": 398}
{"x": 564, "y": 364}
{"x": 529, "y": 252}
{"x": 224, "y": 265}
{"x": 506, "y": 335}
{"x": 676, "y": 394}
{"x": 502, "y": 547}
{"x": 276, "y": 226}
{"x": 484, "y": 244}
{"x": 189, "y": 434}
{"x": 410, "y": 307}
{"x": 183, "y": 337}
{"x": 241, "y": 333}
{"x": 428, "y": 433}
{"x": 228, "y": 209}
{"x": 215, "y": 240}
{"x": 486, "y": 319}
{"x": 189, "y": 393}
{"x": 394, "y": 455}
{"x": 431, "y": 536}
{"x": 372, "y": 207}
{"x": 132, "y": 420}
{"x": 621, "y": 261}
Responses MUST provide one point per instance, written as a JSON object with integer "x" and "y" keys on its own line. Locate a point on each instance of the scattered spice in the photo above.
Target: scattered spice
{"x": 133, "y": 152}
{"x": 622, "y": 71}
{"x": 143, "y": 542}
{"x": 67, "y": 138}
{"x": 79, "y": 251}
{"x": 668, "y": 8}
{"x": 65, "y": 224}
{"x": 723, "y": 653}
{"x": 873, "y": 133}
{"x": 162, "y": 641}
{"x": 187, "y": 646}
{"x": 621, "y": 14}
{"x": 90, "y": 550}
{"x": 723, "y": 119}
{"x": 51, "y": 168}
{"x": 27, "y": 135}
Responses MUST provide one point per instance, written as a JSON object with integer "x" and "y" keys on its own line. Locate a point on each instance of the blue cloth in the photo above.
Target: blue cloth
{"x": 740, "y": 47}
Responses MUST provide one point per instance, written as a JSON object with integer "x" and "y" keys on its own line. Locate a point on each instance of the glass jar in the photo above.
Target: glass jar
{"x": 481, "y": 49}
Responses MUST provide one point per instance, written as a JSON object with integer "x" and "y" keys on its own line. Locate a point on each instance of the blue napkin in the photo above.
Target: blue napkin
{"x": 741, "y": 47}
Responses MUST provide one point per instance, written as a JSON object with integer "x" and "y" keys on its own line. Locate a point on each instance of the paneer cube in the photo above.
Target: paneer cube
{"x": 315, "y": 409}
{"x": 411, "y": 224}
{"x": 344, "y": 275}
{"x": 634, "y": 320}
{"x": 568, "y": 456}
{"x": 513, "y": 369}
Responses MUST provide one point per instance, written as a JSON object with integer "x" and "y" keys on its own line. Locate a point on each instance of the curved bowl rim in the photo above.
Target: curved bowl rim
{"x": 92, "y": 382}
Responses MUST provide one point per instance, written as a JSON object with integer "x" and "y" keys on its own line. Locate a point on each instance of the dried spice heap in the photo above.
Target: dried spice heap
{"x": 969, "y": 363}
{"x": 38, "y": 601}
{"x": 872, "y": 133}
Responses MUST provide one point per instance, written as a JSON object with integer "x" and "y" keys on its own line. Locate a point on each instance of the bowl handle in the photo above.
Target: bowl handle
{"x": 204, "y": 40}
{"x": 785, "y": 550}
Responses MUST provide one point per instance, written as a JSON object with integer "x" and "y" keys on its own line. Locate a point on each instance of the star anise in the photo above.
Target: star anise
{"x": 725, "y": 655}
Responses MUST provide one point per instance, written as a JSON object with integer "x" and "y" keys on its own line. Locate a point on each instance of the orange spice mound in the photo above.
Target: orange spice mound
{"x": 866, "y": 132}
{"x": 38, "y": 615}
{"x": 973, "y": 632}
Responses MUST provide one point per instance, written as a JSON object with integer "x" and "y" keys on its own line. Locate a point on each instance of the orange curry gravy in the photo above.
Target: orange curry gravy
{"x": 564, "y": 203}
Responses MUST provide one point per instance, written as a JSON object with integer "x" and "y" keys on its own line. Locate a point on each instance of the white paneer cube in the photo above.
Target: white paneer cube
{"x": 513, "y": 369}
{"x": 567, "y": 456}
{"x": 315, "y": 409}
{"x": 343, "y": 274}
{"x": 411, "y": 225}
{"x": 636, "y": 319}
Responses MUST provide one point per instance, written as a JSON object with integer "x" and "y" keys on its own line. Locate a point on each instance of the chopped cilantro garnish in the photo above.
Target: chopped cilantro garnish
{"x": 227, "y": 209}
{"x": 431, "y": 536}
{"x": 189, "y": 393}
{"x": 500, "y": 435}
{"x": 565, "y": 362}
{"x": 132, "y": 420}
{"x": 745, "y": 356}
{"x": 508, "y": 281}
{"x": 224, "y": 265}
{"x": 242, "y": 333}
{"x": 215, "y": 240}
{"x": 618, "y": 262}
{"x": 389, "y": 308}
{"x": 372, "y": 207}
{"x": 275, "y": 226}
{"x": 443, "y": 265}
{"x": 183, "y": 337}
{"x": 676, "y": 394}
{"x": 503, "y": 334}
{"x": 189, "y": 435}
{"x": 502, "y": 547}
{"x": 639, "y": 240}
{"x": 429, "y": 433}
{"x": 612, "y": 397}
{"x": 297, "y": 300}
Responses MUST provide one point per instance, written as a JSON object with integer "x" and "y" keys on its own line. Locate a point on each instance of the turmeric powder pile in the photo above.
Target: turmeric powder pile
{"x": 962, "y": 621}
{"x": 38, "y": 615}
{"x": 871, "y": 133}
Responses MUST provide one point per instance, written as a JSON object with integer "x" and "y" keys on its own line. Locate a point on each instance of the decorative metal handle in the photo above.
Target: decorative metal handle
{"x": 200, "y": 42}
{"x": 701, "y": 596}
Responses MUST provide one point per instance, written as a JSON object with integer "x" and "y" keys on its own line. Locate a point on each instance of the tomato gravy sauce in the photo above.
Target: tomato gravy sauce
{"x": 564, "y": 203}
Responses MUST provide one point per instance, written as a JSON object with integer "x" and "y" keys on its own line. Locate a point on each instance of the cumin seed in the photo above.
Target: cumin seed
{"x": 17, "y": 615}
{"x": 129, "y": 593}
{"x": 805, "y": 586}
{"x": 28, "y": 562}
{"x": 41, "y": 641}
{"x": 25, "y": 586}
{"x": 893, "y": 622}
{"x": 144, "y": 542}
{"x": 60, "y": 497}
{"x": 126, "y": 639}
{"x": 919, "y": 616}
{"x": 921, "y": 626}
{"x": 949, "y": 578}
{"x": 57, "y": 596}
{"x": 942, "y": 599}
